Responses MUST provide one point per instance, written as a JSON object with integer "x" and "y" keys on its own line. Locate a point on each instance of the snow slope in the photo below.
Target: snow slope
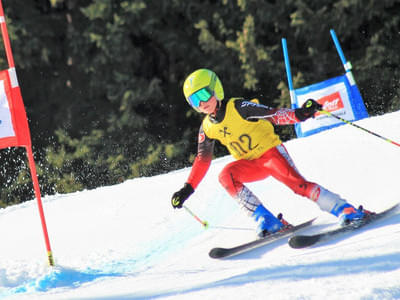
{"x": 126, "y": 242}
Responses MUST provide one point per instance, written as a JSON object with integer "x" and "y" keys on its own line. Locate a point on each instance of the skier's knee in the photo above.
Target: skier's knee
{"x": 307, "y": 189}
{"x": 222, "y": 179}
{"x": 229, "y": 183}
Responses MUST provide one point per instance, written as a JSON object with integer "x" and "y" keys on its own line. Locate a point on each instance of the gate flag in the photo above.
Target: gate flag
{"x": 7, "y": 132}
{"x": 338, "y": 95}
{"x": 14, "y": 130}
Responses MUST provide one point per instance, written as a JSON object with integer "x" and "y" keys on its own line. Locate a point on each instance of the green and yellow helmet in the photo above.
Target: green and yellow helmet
{"x": 200, "y": 86}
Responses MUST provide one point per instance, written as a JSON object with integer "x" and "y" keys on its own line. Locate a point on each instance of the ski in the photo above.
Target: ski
{"x": 302, "y": 241}
{"x": 229, "y": 252}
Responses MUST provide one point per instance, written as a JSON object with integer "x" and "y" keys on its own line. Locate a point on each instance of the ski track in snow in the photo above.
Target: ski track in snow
{"x": 126, "y": 242}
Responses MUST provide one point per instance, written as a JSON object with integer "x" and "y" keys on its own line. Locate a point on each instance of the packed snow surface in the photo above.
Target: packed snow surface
{"x": 126, "y": 241}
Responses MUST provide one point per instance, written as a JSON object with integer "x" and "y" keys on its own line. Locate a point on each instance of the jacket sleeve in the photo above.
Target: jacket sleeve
{"x": 278, "y": 116}
{"x": 203, "y": 159}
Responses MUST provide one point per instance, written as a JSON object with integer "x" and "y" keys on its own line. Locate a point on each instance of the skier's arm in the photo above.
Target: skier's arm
{"x": 278, "y": 116}
{"x": 199, "y": 169}
{"x": 203, "y": 159}
{"x": 254, "y": 111}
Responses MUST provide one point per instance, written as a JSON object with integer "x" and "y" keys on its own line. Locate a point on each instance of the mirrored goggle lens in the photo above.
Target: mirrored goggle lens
{"x": 202, "y": 95}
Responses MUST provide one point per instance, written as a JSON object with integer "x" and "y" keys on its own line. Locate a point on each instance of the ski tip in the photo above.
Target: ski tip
{"x": 217, "y": 252}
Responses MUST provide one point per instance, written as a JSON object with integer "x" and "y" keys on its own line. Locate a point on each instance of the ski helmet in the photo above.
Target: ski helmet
{"x": 200, "y": 86}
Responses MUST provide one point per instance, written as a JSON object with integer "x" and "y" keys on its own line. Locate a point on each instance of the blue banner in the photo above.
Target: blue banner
{"x": 338, "y": 96}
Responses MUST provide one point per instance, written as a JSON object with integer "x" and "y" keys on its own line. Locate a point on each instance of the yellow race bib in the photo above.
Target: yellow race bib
{"x": 244, "y": 139}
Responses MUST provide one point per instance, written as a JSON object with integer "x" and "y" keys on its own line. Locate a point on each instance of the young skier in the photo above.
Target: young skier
{"x": 246, "y": 129}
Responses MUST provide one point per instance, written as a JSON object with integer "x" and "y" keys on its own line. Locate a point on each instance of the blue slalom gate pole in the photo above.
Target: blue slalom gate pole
{"x": 359, "y": 106}
{"x": 346, "y": 65}
{"x": 288, "y": 72}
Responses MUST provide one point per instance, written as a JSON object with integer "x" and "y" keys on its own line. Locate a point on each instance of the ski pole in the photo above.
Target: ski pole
{"x": 204, "y": 223}
{"x": 359, "y": 127}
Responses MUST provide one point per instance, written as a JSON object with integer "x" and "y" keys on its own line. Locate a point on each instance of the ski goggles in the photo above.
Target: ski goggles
{"x": 202, "y": 95}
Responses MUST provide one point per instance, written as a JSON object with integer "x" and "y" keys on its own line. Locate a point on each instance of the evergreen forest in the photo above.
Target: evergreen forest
{"x": 102, "y": 80}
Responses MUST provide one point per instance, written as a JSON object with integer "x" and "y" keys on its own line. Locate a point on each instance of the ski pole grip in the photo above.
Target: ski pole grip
{"x": 309, "y": 103}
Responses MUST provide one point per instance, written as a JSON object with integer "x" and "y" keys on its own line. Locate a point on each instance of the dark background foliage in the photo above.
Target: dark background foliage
{"x": 102, "y": 80}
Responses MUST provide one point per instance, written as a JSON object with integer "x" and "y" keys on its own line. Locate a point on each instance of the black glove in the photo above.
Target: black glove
{"x": 180, "y": 196}
{"x": 307, "y": 110}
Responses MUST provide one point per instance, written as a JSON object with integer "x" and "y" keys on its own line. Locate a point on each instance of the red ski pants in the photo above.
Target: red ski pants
{"x": 277, "y": 163}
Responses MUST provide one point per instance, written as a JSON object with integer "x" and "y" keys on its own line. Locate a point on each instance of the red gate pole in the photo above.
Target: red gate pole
{"x": 6, "y": 39}
{"x": 25, "y": 140}
{"x": 39, "y": 202}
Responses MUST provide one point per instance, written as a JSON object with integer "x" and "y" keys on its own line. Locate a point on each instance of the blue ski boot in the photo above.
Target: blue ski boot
{"x": 267, "y": 222}
{"x": 350, "y": 214}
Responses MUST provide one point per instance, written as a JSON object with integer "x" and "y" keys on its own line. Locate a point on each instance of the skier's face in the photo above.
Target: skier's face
{"x": 209, "y": 106}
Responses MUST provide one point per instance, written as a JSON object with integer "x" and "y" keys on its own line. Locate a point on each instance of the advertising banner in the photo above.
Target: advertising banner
{"x": 336, "y": 96}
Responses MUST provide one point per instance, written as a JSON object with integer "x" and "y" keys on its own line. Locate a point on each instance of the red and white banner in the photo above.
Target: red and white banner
{"x": 7, "y": 132}
{"x": 14, "y": 130}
